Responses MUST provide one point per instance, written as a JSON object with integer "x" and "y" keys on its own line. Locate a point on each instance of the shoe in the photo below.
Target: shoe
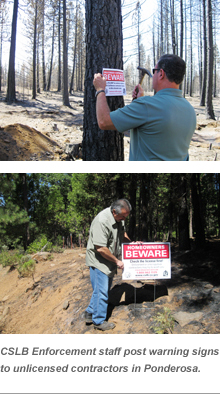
{"x": 105, "y": 326}
{"x": 88, "y": 318}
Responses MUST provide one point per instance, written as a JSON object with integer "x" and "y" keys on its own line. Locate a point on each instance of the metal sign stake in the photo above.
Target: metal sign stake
{"x": 135, "y": 298}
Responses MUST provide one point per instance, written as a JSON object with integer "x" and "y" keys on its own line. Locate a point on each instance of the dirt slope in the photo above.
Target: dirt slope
{"x": 20, "y": 142}
{"x": 62, "y": 290}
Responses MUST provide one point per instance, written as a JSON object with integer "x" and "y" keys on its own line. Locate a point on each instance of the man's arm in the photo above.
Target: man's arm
{"x": 105, "y": 252}
{"x": 102, "y": 108}
{"x": 126, "y": 238}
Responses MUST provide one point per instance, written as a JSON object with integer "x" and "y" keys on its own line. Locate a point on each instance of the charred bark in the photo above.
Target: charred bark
{"x": 103, "y": 49}
{"x": 11, "y": 96}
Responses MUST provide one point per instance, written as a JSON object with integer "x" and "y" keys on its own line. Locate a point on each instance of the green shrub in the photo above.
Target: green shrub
{"x": 8, "y": 258}
{"x": 57, "y": 249}
{"x": 39, "y": 244}
{"x": 27, "y": 268}
{"x": 59, "y": 241}
{"x": 164, "y": 322}
{"x": 5, "y": 248}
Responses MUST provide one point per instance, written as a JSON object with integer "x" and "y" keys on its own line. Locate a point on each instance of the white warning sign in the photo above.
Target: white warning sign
{"x": 146, "y": 261}
{"x": 115, "y": 82}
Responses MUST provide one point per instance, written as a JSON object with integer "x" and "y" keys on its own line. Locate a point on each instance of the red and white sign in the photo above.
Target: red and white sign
{"x": 146, "y": 261}
{"x": 115, "y": 82}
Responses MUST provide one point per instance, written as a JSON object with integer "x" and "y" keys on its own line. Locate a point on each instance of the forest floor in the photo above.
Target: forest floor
{"x": 45, "y": 130}
{"x": 55, "y": 301}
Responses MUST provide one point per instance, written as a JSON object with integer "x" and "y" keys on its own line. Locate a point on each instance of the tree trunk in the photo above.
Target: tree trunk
{"x": 218, "y": 201}
{"x": 154, "y": 53}
{"x": 38, "y": 65}
{"x": 161, "y": 29}
{"x": 43, "y": 53}
{"x": 103, "y": 49}
{"x": 185, "y": 76}
{"x": 204, "y": 82}
{"x": 1, "y": 40}
{"x": 184, "y": 243}
{"x": 132, "y": 192}
{"x": 181, "y": 28}
{"x": 209, "y": 107}
{"x": 172, "y": 26}
{"x": 170, "y": 209}
{"x": 215, "y": 59}
{"x": 200, "y": 51}
{"x": 65, "y": 60}
{"x": 144, "y": 179}
{"x": 34, "y": 91}
{"x": 11, "y": 95}
{"x": 197, "y": 213}
{"x": 191, "y": 53}
{"x": 59, "y": 51}
{"x": 75, "y": 47}
{"x": 25, "y": 200}
{"x": 51, "y": 59}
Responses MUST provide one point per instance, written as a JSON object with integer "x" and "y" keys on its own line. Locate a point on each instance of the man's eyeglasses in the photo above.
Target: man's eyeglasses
{"x": 155, "y": 69}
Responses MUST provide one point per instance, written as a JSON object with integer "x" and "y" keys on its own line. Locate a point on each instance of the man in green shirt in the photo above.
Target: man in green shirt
{"x": 107, "y": 233}
{"x": 161, "y": 127}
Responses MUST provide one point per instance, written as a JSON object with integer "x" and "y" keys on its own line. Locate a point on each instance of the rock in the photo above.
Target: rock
{"x": 59, "y": 150}
{"x": 184, "y": 318}
{"x": 65, "y": 305}
{"x": 5, "y": 299}
{"x": 208, "y": 286}
{"x": 41, "y": 256}
{"x": 6, "y": 311}
{"x": 55, "y": 128}
{"x": 74, "y": 150}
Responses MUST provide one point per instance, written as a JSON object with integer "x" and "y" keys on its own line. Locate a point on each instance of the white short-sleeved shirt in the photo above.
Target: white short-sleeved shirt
{"x": 104, "y": 232}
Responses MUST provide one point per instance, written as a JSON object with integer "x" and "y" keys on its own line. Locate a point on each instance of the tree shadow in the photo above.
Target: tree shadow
{"x": 126, "y": 294}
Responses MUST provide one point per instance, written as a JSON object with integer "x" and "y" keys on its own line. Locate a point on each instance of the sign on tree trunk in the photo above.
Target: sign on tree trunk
{"x": 103, "y": 50}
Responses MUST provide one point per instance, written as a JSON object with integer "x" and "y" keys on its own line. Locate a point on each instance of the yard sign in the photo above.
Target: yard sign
{"x": 146, "y": 261}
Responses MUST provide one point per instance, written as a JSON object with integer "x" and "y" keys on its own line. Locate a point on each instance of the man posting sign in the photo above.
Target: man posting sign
{"x": 146, "y": 261}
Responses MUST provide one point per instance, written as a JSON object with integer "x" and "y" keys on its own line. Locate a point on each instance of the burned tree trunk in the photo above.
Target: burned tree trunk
{"x": 197, "y": 212}
{"x": 103, "y": 49}
{"x": 65, "y": 60}
{"x": 209, "y": 106}
{"x": 34, "y": 91}
{"x": 184, "y": 242}
{"x": 204, "y": 80}
{"x": 11, "y": 96}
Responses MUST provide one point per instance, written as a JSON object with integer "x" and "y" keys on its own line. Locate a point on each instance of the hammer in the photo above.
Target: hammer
{"x": 144, "y": 71}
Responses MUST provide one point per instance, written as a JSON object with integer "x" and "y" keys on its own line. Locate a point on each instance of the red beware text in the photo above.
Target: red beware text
{"x": 145, "y": 251}
{"x": 113, "y": 75}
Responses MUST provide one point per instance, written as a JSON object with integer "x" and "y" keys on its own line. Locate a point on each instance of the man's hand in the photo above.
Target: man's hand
{"x": 99, "y": 82}
{"x": 120, "y": 264}
{"x": 105, "y": 252}
{"x": 140, "y": 93}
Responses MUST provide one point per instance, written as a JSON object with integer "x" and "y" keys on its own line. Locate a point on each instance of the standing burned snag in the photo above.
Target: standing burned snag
{"x": 103, "y": 49}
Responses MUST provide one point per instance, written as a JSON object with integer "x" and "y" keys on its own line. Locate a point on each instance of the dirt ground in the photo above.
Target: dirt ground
{"x": 55, "y": 301}
{"x": 45, "y": 130}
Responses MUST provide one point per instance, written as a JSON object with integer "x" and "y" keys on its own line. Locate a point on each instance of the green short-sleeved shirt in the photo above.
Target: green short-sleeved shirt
{"x": 104, "y": 232}
{"x": 161, "y": 126}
